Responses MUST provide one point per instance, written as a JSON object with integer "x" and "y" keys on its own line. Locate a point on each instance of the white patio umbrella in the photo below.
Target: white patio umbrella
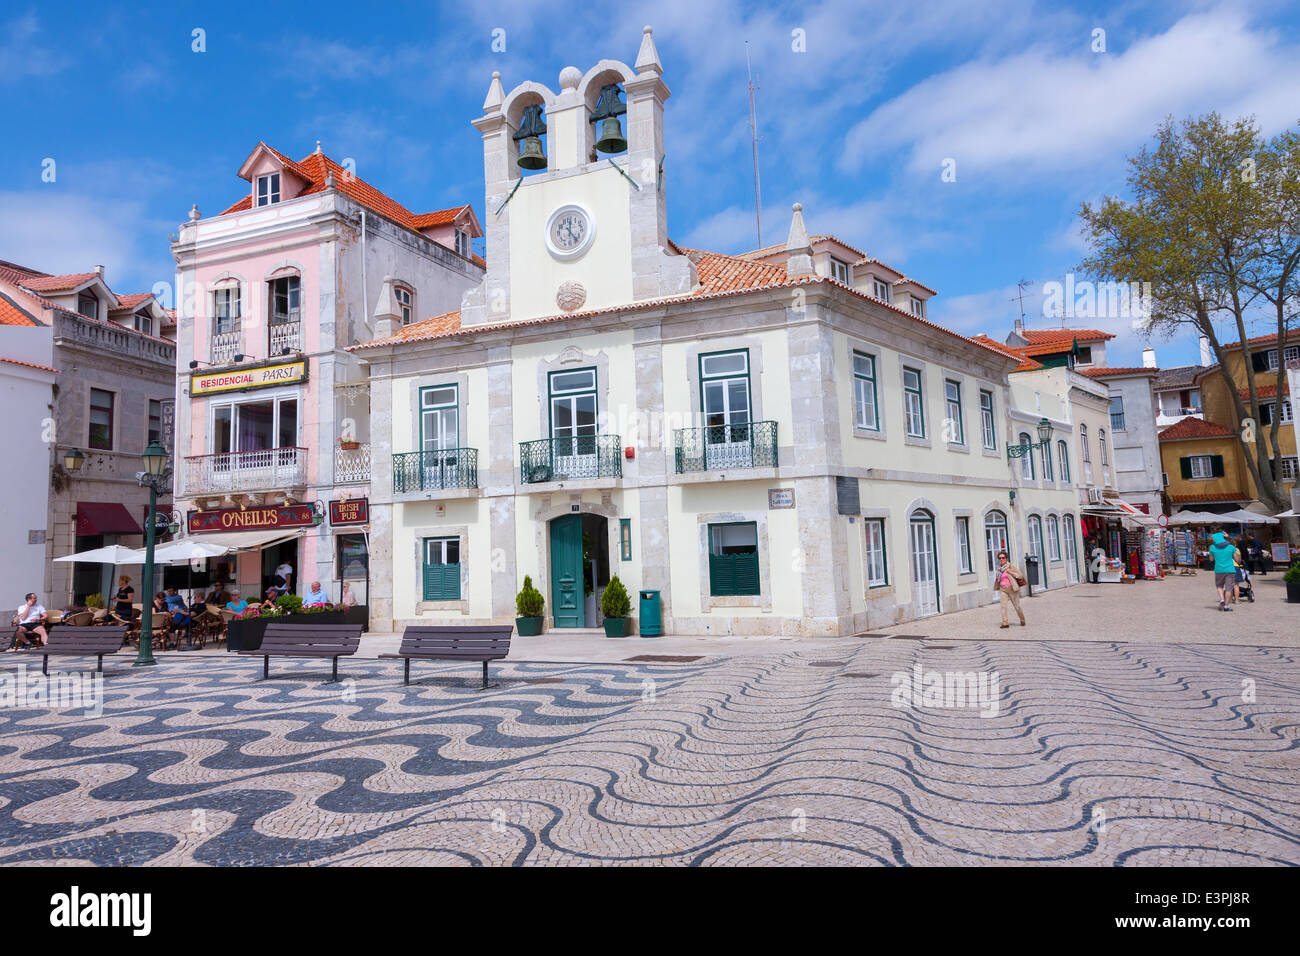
{"x": 1242, "y": 516}
{"x": 113, "y": 554}
{"x": 1289, "y": 513}
{"x": 184, "y": 551}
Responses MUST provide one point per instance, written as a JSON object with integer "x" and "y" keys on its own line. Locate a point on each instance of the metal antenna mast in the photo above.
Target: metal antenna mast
{"x": 753, "y": 130}
{"x": 1021, "y": 286}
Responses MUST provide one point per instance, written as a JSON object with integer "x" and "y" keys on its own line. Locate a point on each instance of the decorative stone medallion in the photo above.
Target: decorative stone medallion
{"x": 570, "y": 295}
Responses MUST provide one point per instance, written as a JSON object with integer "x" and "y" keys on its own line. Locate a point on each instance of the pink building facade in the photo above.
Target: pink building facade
{"x": 272, "y": 415}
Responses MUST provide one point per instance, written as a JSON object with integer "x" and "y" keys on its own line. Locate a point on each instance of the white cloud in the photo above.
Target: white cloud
{"x": 21, "y": 55}
{"x": 1045, "y": 110}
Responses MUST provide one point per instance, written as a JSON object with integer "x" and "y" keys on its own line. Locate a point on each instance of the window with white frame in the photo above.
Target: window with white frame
{"x": 963, "y": 546}
{"x": 1027, "y": 459}
{"x": 952, "y": 400}
{"x": 865, "y": 413}
{"x": 403, "y": 297}
{"x": 913, "y": 403}
{"x": 877, "y": 568}
{"x": 1045, "y": 461}
{"x": 268, "y": 189}
{"x": 144, "y": 323}
{"x": 1290, "y": 353}
{"x": 1202, "y": 466}
{"x": 463, "y": 243}
{"x": 1267, "y": 409}
{"x": 1289, "y": 468}
{"x": 225, "y": 309}
{"x": 880, "y": 290}
{"x": 839, "y": 270}
{"x": 918, "y": 306}
{"x": 1053, "y": 538}
{"x": 1083, "y": 443}
{"x": 1101, "y": 443}
{"x": 1063, "y": 455}
{"x": 987, "y": 425}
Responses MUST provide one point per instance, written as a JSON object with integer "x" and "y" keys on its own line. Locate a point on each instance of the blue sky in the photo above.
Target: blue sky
{"x": 857, "y": 127}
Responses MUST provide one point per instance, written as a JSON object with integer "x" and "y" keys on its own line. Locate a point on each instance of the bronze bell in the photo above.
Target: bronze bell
{"x": 531, "y": 155}
{"x": 608, "y": 109}
{"x": 611, "y": 136}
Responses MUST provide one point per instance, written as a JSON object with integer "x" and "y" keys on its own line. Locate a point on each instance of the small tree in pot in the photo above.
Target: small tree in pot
{"x": 615, "y": 605}
{"x": 1292, "y": 579}
{"x": 528, "y": 605}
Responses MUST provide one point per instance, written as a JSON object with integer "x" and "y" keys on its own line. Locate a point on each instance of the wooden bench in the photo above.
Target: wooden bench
{"x": 454, "y": 643}
{"x": 308, "y": 640}
{"x": 66, "y": 641}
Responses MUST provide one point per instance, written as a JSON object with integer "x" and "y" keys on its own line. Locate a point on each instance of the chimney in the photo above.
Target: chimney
{"x": 798, "y": 249}
{"x": 1020, "y": 326}
{"x": 1148, "y": 357}
{"x": 99, "y": 271}
{"x": 388, "y": 319}
{"x": 1207, "y": 359}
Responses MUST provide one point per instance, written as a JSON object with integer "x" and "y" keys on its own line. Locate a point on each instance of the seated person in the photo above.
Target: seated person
{"x": 271, "y": 595}
{"x": 176, "y": 605}
{"x": 236, "y": 603}
{"x": 316, "y": 595}
{"x": 29, "y": 623}
{"x": 219, "y": 597}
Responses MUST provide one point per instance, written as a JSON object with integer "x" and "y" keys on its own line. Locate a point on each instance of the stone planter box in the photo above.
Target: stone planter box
{"x": 247, "y": 635}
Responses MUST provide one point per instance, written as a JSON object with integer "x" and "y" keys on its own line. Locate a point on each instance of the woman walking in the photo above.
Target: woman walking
{"x": 1007, "y": 580}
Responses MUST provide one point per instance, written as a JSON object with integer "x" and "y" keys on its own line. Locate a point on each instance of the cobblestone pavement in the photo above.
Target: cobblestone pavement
{"x": 1099, "y": 754}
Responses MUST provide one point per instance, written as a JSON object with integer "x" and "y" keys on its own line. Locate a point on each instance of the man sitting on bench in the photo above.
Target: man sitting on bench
{"x": 29, "y": 623}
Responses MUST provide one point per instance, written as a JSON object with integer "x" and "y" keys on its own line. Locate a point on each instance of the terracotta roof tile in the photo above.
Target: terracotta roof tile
{"x": 1118, "y": 371}
{"x": 1228, "y": 496}
{"x": 1026, "y": 364}
{"x": 1058, "y": 336}
{"x": 1194, "y": 428}
{"x": 1265, "y": 391}
{"x": 1180, "y": 376}
{"x": 768, "y": 250}
{"x": 11, "y": 314}
{"x": 43, "y": 368}
{"x": 58, "y": 283}
{"x": 129, "y": 302}
{"x": 440, "y": 218}
{"x": 1292, "y": 337}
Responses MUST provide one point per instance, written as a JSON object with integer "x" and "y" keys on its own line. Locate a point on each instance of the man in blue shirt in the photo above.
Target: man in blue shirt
{"x": 316, "y": 595}
{"x": 1224, "y": 553}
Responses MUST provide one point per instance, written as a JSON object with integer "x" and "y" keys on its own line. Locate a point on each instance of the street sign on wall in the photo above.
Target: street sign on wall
{"x": 242, "y": 379}
{"x": 251, "y": 519}
{"x": 351, "y": 511}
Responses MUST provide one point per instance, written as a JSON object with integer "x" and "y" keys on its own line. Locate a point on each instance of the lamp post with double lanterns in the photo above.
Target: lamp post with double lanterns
{"x": 156, "y": 477}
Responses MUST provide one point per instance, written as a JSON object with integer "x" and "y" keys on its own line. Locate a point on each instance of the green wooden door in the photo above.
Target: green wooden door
{"x": 567, "y": 604}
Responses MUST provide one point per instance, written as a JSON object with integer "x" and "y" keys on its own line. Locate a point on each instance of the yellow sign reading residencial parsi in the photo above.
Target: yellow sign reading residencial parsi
{"x": 205, "y": 383}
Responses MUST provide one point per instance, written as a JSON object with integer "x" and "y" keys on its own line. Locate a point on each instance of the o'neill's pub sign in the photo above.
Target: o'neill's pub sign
{"x": 242, "y": 379}
{"x": 251, "y": 519}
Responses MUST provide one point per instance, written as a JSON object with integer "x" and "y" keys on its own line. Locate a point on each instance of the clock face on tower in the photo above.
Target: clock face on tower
{"x": 569, "y": 232}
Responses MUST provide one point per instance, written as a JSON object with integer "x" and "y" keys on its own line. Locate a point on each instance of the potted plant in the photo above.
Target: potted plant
{"x": 349, "y": 444}
{"x": 1292, "y": 579}
{"x": 615, "y": 605}
{"x": 528, "y": 605}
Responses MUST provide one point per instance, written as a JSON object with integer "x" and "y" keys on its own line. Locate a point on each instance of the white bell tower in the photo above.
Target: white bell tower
{"x": 588, "y": 231}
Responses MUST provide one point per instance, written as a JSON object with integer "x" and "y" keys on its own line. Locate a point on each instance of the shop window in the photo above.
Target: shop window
{"x": 441, "y": 569}
{"x": 733, "y": 559}
{"x": 353, "y": 558}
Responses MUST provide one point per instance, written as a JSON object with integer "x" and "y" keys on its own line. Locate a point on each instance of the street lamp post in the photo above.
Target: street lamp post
{"x": 1044, "y": 437}
{"x": 154, "y": 477}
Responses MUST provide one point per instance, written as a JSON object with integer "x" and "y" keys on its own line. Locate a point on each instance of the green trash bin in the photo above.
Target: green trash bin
{"x": 652, "y": 619}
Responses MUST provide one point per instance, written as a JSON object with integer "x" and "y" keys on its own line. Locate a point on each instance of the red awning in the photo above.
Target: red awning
{"x": 105, "y": 517}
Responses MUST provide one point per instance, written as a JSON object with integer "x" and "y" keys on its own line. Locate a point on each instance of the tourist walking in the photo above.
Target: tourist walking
{"x": 1224, "y": 553}
{"x": 1007, "y": 581}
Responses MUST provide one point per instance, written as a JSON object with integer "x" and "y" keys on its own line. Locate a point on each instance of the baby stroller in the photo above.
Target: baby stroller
{"x": 1243, "y": 584}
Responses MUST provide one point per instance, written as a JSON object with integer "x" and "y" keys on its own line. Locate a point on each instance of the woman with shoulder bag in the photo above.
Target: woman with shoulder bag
{"x": 1007, "y": 581}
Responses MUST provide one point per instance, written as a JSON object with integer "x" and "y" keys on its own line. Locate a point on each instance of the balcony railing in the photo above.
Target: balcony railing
{"x": 566, "y": 459}
{"x": 1117, "y": 421}
{"x": 435, "y": 470}
{"x": 722, "y": 447}
{"x": 285, "y": 335}
{"x": 261, "y": 470}
{"x": 225, "y": 346}
{"x": 352, "y": 464}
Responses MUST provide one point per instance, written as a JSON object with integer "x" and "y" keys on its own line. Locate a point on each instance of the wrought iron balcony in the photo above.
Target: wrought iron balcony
{"x": 267, "y": 469}
{"x": 567, "y": 459}
{"x": 435, "y": 470}
{"x": 284, "y": 334}
{"x": 352, "y": 464}
{"x": 725, "y": 447}
{"x": 225, "y": 346}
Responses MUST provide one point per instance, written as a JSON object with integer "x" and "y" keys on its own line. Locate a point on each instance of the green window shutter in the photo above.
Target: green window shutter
{"x": 442, "y": 582}
{"x": 1185, "y": 467}
{"x": 732, "y": 574}
{"x": 1216, "y": 466}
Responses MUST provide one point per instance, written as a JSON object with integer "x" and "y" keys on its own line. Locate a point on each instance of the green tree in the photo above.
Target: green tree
{"x": 1213, "y": 223}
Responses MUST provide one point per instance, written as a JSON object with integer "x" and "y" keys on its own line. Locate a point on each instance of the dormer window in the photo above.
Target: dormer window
{"x": 1085, "y": 355}
{"x": 88, "y": 305}
{"x": 839, "y": 270}
{"x": 268, "y": 189}
{"x": 918, "y": 306}
{"x": 144, "y": 323}
{"x": 880, "y": 290}
{"x": 462, "y": 242}
{"x": 403, "y": 296}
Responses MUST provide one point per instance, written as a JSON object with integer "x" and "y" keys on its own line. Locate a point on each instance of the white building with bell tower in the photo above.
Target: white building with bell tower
{"x": 772, "y": 443}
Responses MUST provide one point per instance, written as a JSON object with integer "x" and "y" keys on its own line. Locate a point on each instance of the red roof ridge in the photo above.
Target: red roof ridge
{"x": 43, "y": 368}
{"x": 1193, "y": 427}
{"x": 1103, "y": 371}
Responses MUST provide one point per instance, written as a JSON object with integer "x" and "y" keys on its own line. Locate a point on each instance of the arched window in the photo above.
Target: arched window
{"x": 1083, "y": 443}
{"x": 1036, "y": 538}
{"x": 1045, "y": 460}
{"x": 1026, "y": 460}
{"x": 995, "y": 537}
{"x": 1101, "y": 442}
{"x": 405, "y": 301}
{"x": 1063, "y": 454}
{"x": 1053, "y": 538}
